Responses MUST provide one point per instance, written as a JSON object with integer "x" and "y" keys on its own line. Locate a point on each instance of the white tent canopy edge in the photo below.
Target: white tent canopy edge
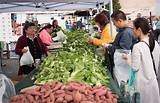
{"x": 49, "y": 5}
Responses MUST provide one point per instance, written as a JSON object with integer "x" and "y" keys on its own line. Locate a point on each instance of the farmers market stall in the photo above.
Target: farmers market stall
{"x": 75, "y": 62}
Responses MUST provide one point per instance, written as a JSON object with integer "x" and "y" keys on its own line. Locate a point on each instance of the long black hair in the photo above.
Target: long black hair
{"x": 48, "y": 26}
{"x": 26, "y": 26}
{"x": 53, "y": 22}
{"x": 143, "y": 24}
{"x": 156, "y": 34}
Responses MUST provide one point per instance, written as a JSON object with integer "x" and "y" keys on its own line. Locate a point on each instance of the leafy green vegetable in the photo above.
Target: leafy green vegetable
{"x": 76, "y": 62}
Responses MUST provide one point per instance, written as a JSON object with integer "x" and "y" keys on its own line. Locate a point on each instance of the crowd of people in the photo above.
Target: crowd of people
{"x": 36, "y": 42}
{"x": 134, "y": 47}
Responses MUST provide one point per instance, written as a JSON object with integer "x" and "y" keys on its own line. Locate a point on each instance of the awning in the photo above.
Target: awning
{"x": 48, "y": 5}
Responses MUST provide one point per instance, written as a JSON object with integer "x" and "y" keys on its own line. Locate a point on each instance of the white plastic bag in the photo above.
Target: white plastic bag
{"x": 7, "y": 89}
{"x": 26, "y": 58}
{"x": 121, "y": 69}
{"x": 60, "y": 37}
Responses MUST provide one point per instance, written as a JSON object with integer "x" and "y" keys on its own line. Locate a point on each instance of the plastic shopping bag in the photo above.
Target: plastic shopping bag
{"x": 7, "y": 89}
{"x": 60, "y": 37}
{"x": 26, "y": 58}
{"x": 131, "y": 88}
{"x": 121, "y": 68}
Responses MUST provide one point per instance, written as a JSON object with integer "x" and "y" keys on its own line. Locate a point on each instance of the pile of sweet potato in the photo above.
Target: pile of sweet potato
{"x": 72, "y": 92}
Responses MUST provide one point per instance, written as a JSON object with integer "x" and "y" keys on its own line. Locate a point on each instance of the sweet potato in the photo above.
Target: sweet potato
{"x": 115, "y": 96}
{"x": 38, "y": 88}
{"x": 68, "y": 87}
{"x": 109, "y": 101}
{"x": 102, "y": 97}
{"x": 57, "y": 86}
{"x": 87, "y": 102}
{"x": 64, "y": 101}
{"x": 97, "y": 90}
{"x": 63, "y": 87}
{"x": 68, "y": 98}
{"x": 44, "y": 100}
{"x": 79, "y": 88}
{"x": 32, "y": 92}
{"x": 110, "y": 96}
{"x": 59, "y": 100}
{"x": 30, "y": 98}
{"x": 37, "y": 97}
{"x": 77, "y": 97}
{"x": 47, "y": 93}
{"x": 47, "y": 87}
{"x": 101, "y": 92}
{"x": 52, "y": 97}
{"x": 60, "y": 95}
{"x": 60, "y": 91}
{"x": 15, "y": 98}
{"x": 114, "y": 100}
{"x": 42, "y": 90}
{"x": 97, "y": 98}
{"x": 69, "y": 92}
{"x": 48, "y": 100}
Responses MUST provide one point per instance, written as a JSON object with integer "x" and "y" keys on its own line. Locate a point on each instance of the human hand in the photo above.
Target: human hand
{"x": 126, "y": 57}
{"x": 105, "y": 45}
{"x": 90, "y": 40}
{"x": 25, "y": 49}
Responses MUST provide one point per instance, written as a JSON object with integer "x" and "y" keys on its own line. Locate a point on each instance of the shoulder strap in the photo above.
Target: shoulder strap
{"x": 152, "y": 58}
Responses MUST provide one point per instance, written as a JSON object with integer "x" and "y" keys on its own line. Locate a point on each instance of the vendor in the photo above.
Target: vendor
{"x": 56, "y": 27}
{"x": 36, "y": 47}
{"x": 45, "y": 34}
{"x": 103, "y": 22}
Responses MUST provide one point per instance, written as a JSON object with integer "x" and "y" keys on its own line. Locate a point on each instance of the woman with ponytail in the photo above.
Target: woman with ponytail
{"x": 145, "y": 61}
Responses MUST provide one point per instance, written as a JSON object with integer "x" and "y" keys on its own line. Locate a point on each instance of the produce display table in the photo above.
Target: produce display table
{"x": 27, "y": 82}
{"x": 53, "y": 48}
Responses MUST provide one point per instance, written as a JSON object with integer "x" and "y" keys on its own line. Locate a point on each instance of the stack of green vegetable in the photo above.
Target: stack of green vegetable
{"x": 76, "y": 62}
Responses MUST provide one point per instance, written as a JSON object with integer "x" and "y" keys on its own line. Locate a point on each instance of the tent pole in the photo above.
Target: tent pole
{"x": 110, "y": 11}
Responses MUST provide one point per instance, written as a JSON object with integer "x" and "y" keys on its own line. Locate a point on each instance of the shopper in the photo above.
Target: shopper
{"x": 123, "y": 42}
{"x": 143, "y": 64}
{"x": 45, "y": 34}
{"x": 103, "y": 22}
{"x": 157, "y": 35}
{"x": 36, "y": 47}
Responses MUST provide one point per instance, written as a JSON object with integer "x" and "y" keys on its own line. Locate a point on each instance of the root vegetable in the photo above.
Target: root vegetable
{"x": 32, "y": 92}
{"x": 101, "y": 93}
{"x": 59, "y": 100}
{"x": 68, "y": 98}
{"x": 30, "y": 98}
{"x": 58, "y": 85}
{"x": 60, "y": 91}
{"x": 60, "y": 95}
{"x": 77, "y": 97}
{"x": 87, "y": 102}
{"x": 47, "y": 93}
{"x": 52, "y": 97}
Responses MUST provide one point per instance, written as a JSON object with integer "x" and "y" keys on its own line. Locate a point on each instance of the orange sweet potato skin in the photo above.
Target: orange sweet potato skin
{"x": 72, "y": 92}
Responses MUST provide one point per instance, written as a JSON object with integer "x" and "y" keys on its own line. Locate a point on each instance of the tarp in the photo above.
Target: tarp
{"x": 48, "y": 5}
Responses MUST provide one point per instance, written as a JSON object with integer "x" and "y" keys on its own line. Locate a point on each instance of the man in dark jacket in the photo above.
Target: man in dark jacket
{"x": 123, "y": 40}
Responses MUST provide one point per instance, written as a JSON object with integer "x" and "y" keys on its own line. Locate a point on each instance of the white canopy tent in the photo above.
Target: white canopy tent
{"x": 12, "y": 6}
{"x": 49, "y": 5}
